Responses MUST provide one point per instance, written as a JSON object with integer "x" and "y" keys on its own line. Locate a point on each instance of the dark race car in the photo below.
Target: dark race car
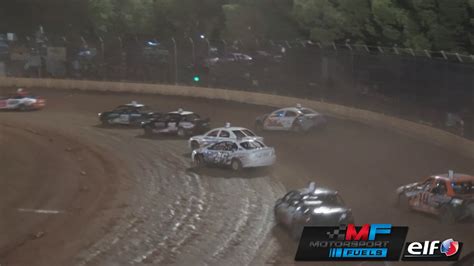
{"x": 132, "y": 114}
{"x": 448, "y": 196}
{"x": 181, "y": 123}
{"x": 311, "y": 206}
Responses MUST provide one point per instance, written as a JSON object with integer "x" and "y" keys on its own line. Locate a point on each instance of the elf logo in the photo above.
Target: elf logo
{"x": 436, "y": 250}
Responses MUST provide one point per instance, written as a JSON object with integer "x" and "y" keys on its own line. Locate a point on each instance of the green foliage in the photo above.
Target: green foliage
{"x": 249, "y": 20}
{"x": 421, "y": 24}
{"x": 121, "y": 16}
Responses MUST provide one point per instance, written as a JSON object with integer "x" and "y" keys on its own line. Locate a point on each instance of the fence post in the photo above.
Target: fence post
{"x": 225, "y": 46}
{"x": 193, "y": 53}
{"x": 175, "y": 61}
{"x": 366, "y": 48}
{"x": 444, "y": 55}
{"x": 208, "y": 47}
{"x": 427, "y": 53}
{"x": 102, "y": 50}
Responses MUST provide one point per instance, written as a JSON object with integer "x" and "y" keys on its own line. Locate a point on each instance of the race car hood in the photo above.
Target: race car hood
{"x": 406, "y": 187}
{"x": 200, "y": 121}
{"x": 329, "y": 210}
{"x": 102, "y": 114}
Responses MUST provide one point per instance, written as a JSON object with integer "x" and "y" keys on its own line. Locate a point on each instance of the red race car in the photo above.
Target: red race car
{"x": 448, "y": 196}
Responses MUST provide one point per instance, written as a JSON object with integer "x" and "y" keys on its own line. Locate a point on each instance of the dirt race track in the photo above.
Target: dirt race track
{"x": 75, "y": 193}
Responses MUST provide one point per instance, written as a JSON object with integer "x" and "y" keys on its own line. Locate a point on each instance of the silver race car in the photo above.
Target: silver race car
{"x": 220, "y": 134}
{"x": 311, "y": 206}
{"x": 21, "y": 102}
{"x": 297, "y": 119}
{"x": 237, "y": 154}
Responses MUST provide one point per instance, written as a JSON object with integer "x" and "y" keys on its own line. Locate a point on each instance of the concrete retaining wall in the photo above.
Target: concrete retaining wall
{"x": 422, "y": 132}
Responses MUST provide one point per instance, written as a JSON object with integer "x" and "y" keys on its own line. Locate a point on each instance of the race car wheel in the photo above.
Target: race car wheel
{"x": 236, "y": 165}
{"x": 199, "y": 161}
{"x": 194, "y": 145}
{"x": 258, "y": 126}
{"x": 23, "y": 108}
{"x": 297, "y": 128}
{"x": 181, "y": 132}
{"x": 470, "y": 209}
{"x": 403, "y": 203}
{"x": 447, "y": 215}
{"x": 148, "y": 130}
{"x": 296, "y": 231}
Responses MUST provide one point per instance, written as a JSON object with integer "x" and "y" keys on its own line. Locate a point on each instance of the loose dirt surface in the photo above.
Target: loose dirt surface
{"x": 122, "y": 199}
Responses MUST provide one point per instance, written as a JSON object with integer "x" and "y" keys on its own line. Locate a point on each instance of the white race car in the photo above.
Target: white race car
{"x": 221, "y": 134}
{"x": 237, "y": 154}
{"x": 297, "y": 119}
{"x": 22, "y": 102}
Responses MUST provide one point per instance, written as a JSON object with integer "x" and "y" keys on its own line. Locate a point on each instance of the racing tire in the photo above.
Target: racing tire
{"x": 199, "y": 161}
{"x": 235, "y": 165}
{"x": 447, "y": 215}
{"x": 23, "y": 108}
{"x": 181, "y": 132}
{"x": 259, "y": 126}
{"x": 148, "y": 131}
{"x": 195, "y": 145}
{"x": 296, "y": 231}
{"x": 470, "y": 208}
{"x": 403, "y": 203}
{"x": 105, "y": 122}
{"x": 297, "y": 128}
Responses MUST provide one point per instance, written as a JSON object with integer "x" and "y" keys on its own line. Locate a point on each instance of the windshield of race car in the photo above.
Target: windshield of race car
{"x": 191, "y": 117}
{"x": 332, "y": 199}
{"x": 243, "y": 133}
{"x": 307, "y": 111}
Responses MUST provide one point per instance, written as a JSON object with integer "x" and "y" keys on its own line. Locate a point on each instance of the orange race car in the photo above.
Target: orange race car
{"x": 448, "y": 196}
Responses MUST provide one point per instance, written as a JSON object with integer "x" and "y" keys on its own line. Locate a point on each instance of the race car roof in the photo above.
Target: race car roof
{"x": 181, "y": 112}
{"x": 297, "y": 109}
{"x": 317, "y": 191}
{"x": 134, "y": 104}
{"x": 231, "y": 128}
{"x": 457, "y": 177}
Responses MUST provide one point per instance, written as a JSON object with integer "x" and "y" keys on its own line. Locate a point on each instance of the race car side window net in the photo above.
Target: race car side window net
{"x": 224, "y": 134}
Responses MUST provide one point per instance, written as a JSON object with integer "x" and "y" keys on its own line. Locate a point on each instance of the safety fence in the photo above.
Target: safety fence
{"x": 435, "y": 88}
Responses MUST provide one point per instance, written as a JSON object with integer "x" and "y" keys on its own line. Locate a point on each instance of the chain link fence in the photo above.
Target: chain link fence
{"x": 433, "y": 88}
